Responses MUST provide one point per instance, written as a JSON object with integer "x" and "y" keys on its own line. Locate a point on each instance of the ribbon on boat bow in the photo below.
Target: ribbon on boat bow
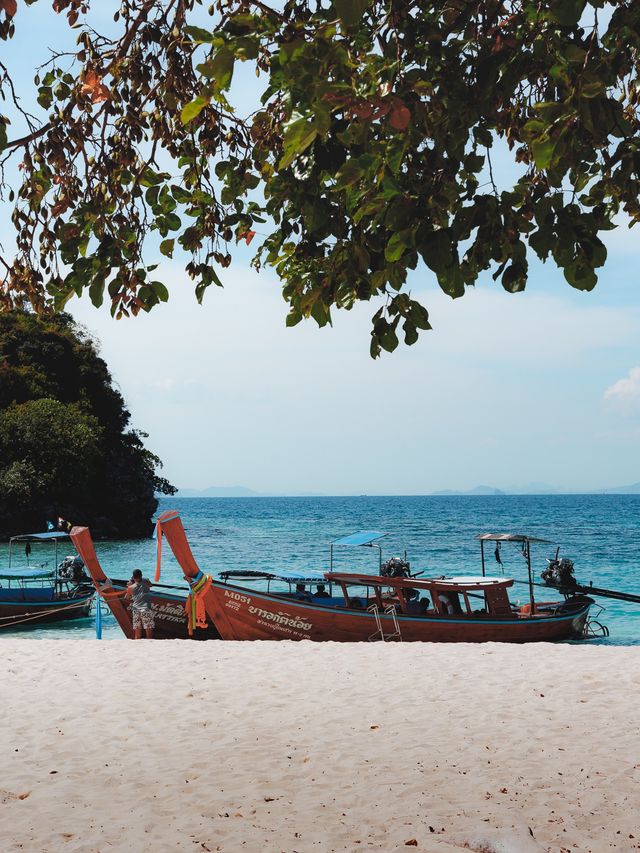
{"x": 194, "y": 605}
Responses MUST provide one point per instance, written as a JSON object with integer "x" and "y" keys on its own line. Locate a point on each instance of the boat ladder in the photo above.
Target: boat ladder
{"x": 379, "y": 634}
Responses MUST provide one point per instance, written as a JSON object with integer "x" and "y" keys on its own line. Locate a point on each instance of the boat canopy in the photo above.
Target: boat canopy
{"x": 360, "y": 537}
{"x": 510, "y": 537}
{"x": 25, "y": 574}
{"x": 39, "y": 537}
{"x": 288, "y": 577}
{"x": 453, "y": 584}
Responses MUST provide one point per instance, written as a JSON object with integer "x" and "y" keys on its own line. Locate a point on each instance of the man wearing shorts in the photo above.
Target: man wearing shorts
{"x": 139, "y": 591}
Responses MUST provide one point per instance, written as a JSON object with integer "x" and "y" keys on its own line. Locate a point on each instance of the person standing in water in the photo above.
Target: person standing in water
{"x": 139, "y": 591}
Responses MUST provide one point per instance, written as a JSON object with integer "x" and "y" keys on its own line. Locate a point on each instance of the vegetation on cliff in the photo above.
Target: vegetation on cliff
{"x": 66, "y": 446}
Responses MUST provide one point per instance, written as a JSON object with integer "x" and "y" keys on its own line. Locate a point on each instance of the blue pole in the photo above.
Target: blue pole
{"x": 98, "y": 617}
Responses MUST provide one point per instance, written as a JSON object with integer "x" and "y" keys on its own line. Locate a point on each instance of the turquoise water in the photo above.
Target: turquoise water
{"x": 600, "y": 532}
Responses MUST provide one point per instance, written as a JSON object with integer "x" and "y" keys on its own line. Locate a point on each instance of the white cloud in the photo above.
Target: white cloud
{"x": 229, "y": 395}
{"x": 625, "y": 392}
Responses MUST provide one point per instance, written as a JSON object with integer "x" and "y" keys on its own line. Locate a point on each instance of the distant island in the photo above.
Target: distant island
{"x": 542, "y": 489}
{"x": 478, "y": 490}
{"x": 529, "y": 489}
{"x": 633, "y": 489}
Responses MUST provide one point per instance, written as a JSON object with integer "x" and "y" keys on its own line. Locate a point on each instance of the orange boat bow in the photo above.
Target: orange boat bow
{"x": 170, "y": 524}
{"x": 81, "y": 538}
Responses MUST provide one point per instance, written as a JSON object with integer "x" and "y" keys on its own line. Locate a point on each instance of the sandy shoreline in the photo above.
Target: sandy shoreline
{"x": 299, "y": 747}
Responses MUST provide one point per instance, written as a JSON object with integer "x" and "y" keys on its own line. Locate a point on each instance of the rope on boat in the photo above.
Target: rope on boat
{"x": 110, "y": 593}
{"x": 19, "y": 619}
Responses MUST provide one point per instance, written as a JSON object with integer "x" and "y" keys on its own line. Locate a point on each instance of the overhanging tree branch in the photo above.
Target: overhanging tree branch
{"x": 368, "y": 157}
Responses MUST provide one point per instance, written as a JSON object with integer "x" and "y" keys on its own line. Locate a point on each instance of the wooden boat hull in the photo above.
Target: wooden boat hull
{"x": 169, "y": 614}
{"x": 34, "y": 612}
{"x": 242, "y": 614}
{"x": 171, "y": 621}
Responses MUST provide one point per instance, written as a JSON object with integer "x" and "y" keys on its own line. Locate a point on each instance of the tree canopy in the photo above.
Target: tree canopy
{"x": 367, "y": 153}
{"x": 65, "y": 444}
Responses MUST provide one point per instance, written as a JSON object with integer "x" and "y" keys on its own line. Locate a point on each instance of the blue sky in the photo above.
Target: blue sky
{"x": 507, "y": 390}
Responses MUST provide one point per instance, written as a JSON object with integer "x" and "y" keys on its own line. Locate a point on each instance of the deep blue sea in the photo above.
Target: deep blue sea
{"x": 601, "y": 533}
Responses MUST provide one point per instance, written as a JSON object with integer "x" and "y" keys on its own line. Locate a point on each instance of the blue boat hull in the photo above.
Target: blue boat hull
{"x": 26, "y": 607}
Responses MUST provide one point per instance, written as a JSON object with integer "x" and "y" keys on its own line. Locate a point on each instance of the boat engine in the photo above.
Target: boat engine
{"x": 559, "y": 573}
{"x": 395, "y": 567}
{"x": 72, "y": 569}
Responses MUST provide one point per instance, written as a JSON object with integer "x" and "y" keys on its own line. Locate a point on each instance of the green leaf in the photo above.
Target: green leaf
{"x": 574, "y": 53}
{"x": 389, "y": 340}
{"x": 320, "y": 313}
{"x": 297, "y": 138}
{"x": 96, "y": 292}
{"x": 596, "y": 251}
{"x": 593, "y": 89}
{"x": 435, "y": 248}
{"x": 542, "y": 150}
{"x": 419, "y": 316}
{"x": 514, "y": 278}
{"x": 351, "y": 11}
{"x": 222, "y": 69}
{"x": 567, "y": 12}
{"x": 201, "y": 36}
{"x": 580, "y": 276}
{"x": 166, "y": 247}
{"x": 208, "y": 276}
{"x": 166, "y": 200}
{"x": 193, "y": 109}
{"x": 150, "y": 178}
{"x": 541, "y": 241}
{"x": 398, "y": 243}
{"x": 410, "y": 333}
{"x": 349, "y": 173}
{"x": 160, "y": 290}
{"x": 181, "y": 195}
{"x": 45, "y": 97}
{"x": 293, "y": 317}
{"x": 173, "y": 221}
{"x": 452, "y": 282}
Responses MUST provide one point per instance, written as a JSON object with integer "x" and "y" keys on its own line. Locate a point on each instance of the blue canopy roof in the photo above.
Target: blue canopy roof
{"x": 30, "y": 537}
{"x": 360, "y": 537}
{"x": 26, "y": 574}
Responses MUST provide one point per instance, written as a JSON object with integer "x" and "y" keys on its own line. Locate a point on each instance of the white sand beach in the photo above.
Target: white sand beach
{"x": 293, "y": 748}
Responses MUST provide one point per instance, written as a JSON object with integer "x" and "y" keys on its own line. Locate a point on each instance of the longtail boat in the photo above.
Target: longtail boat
{"x": 394, "y": 604}
{"x": 173, "y": 610}
{"x": 36, "y": 595}
{"x": 387, "y": 606}
{"x": 370, "y": 607}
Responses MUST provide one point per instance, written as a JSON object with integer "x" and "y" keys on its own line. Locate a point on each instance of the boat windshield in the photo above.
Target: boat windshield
{"x": 304, "y": 585}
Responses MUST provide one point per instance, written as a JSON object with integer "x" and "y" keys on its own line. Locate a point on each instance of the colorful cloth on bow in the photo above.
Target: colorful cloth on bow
{"x": 194, "y": 605}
